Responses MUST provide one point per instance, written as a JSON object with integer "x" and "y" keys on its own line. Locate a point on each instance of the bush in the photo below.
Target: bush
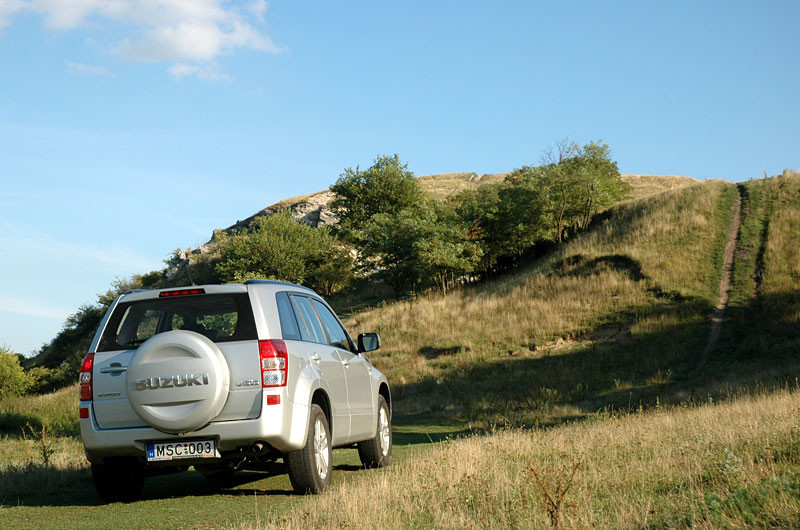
{"x": 13, "y": 379}
{"x": 386, "y": 187}
{"x": 278, "y": 247}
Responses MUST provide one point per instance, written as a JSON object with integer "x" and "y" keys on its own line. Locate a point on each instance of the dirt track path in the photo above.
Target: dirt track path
{"x": 718, "y": 316}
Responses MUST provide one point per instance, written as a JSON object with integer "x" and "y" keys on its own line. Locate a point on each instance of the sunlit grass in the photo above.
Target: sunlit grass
{"x": 733, "y": 464}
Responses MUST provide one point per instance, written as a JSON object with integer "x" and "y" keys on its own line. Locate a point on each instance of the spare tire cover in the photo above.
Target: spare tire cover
{"x": 178, "y": 381}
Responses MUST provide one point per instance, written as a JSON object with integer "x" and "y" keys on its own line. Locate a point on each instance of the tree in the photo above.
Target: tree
{"x": 13, "y": 379}
{"x": 278, "y": 247}
{"x": 421, "y": 246}
{"x": 389, "y": 248}
{"x": 599, "y": 181}
{"x": 573, "y": 184}
{"x": 386, "y": 187}
{"x": 444, "y": 250}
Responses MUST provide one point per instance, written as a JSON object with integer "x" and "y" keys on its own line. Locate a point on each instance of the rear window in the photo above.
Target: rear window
{"x": 219, "y": 317}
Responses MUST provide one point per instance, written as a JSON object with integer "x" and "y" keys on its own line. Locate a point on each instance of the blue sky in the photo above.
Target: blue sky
{"x": 130, "y": 128}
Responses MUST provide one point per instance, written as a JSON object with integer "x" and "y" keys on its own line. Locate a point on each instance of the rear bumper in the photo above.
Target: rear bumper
{"x": 281, "y": 426}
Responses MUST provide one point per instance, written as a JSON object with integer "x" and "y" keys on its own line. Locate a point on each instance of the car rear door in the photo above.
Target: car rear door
{"x": 327, "y": 363}
{"x": 358, "y": 375}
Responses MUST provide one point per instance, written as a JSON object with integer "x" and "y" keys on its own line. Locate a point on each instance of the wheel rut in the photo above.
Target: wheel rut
{"x": 718, "y": 315}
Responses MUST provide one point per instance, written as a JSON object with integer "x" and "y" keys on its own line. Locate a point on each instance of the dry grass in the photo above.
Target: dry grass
{"x": 444, "y": 185}
{"x": 782, "y": 260}
{"x": 39, "y": 444}
{"x": 649, "y": 270}
{"x": 23, "y": 470}
{"x": 675, "y": 236}
{"x": 647, "y": 185}
{"x": 724, "y": 465}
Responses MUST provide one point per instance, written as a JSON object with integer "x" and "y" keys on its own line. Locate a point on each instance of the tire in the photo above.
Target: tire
{"x": 310, "y": 467}
{"x": 377, "y": 452}
{"x": 188, "y": 402}
{"x": 120, "y": 481}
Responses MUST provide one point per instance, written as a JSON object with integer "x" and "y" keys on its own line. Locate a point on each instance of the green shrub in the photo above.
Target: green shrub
{"x": 13, "y": 379}
{"x": 278, "y": 247}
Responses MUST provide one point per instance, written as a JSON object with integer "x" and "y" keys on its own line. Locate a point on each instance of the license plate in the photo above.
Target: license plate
{"x": 159, "y": 451}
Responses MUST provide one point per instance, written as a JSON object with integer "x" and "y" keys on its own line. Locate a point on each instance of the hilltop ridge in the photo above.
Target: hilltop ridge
{"x": 314, "y": 208}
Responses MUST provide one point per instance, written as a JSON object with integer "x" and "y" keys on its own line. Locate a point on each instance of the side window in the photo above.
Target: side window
{"x": 336, "y": 335}
{"x": 313, "y": 327}
{"x": 289, "y": 328}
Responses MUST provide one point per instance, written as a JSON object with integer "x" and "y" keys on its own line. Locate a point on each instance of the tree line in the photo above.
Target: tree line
{"x": 414, "y": 242}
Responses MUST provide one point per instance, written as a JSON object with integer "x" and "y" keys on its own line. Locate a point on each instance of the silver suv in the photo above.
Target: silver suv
{"x": 226, "y": 377}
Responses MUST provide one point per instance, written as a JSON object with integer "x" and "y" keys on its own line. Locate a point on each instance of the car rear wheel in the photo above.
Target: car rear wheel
{"x": 377, "y": 452}
{"x": 119, "y": 481}
{"x": 310, "y": 467}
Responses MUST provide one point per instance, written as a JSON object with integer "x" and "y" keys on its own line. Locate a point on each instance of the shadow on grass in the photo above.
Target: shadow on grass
{"x": 75, "y": 487}
{"x": 550, "y": 387}
{"x": 13, "y": 424}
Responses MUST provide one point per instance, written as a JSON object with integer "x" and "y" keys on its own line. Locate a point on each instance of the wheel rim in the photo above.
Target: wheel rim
{"x": 321, "y": 453}
{"x": 383, "y": 430}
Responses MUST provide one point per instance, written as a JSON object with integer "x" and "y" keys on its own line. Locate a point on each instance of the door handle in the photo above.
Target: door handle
{"x": 315, "y": 358}
{"x": 114, "y": 370}
{"x": 346, "y": 363}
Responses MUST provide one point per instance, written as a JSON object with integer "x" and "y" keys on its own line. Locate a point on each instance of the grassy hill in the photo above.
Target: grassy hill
{"x": 614, "y": 317}
{"x": 581, "y": 369}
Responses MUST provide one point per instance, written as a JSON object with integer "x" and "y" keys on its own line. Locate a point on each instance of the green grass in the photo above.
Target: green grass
{"x": 62, "y": 495}
{"x": 58, "y": 411}
{"x": 763, "y": 333}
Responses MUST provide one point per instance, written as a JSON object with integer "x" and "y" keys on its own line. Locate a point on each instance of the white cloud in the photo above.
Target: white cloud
{"x": 88, "y": 69}
{"x": 181, "y": 42}
{"x": 259, "y": 9}
{"x": 7, "y": 9}
{"x": 207, "y": 73}
{"x": 20, "y": 306}
{"x": 177, "y": 31}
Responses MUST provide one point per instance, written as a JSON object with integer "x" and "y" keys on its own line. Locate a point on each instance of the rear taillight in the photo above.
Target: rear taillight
{"x": 86, "y": 377}
{"x": 274, "y": 362}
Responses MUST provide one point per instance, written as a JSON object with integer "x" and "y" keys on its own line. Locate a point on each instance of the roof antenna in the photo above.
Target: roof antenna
{"x": 188, "y": 270}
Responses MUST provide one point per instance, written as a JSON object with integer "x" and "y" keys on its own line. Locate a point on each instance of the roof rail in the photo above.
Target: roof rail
{"x": 272, "y": 282}
{"x": 278, "y": 282}
{"x": 129, "y": 291}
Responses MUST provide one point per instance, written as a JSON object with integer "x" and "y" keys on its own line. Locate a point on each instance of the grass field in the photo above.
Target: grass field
{"x": 583, "y": 361}
{"x": 729, "y": 465}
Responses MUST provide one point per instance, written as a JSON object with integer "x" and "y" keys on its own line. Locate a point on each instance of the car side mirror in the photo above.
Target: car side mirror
{"x": 368, "y": 342}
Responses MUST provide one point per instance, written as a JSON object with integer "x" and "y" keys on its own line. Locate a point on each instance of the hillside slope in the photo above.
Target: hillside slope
{"x": 618, "y": 316}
